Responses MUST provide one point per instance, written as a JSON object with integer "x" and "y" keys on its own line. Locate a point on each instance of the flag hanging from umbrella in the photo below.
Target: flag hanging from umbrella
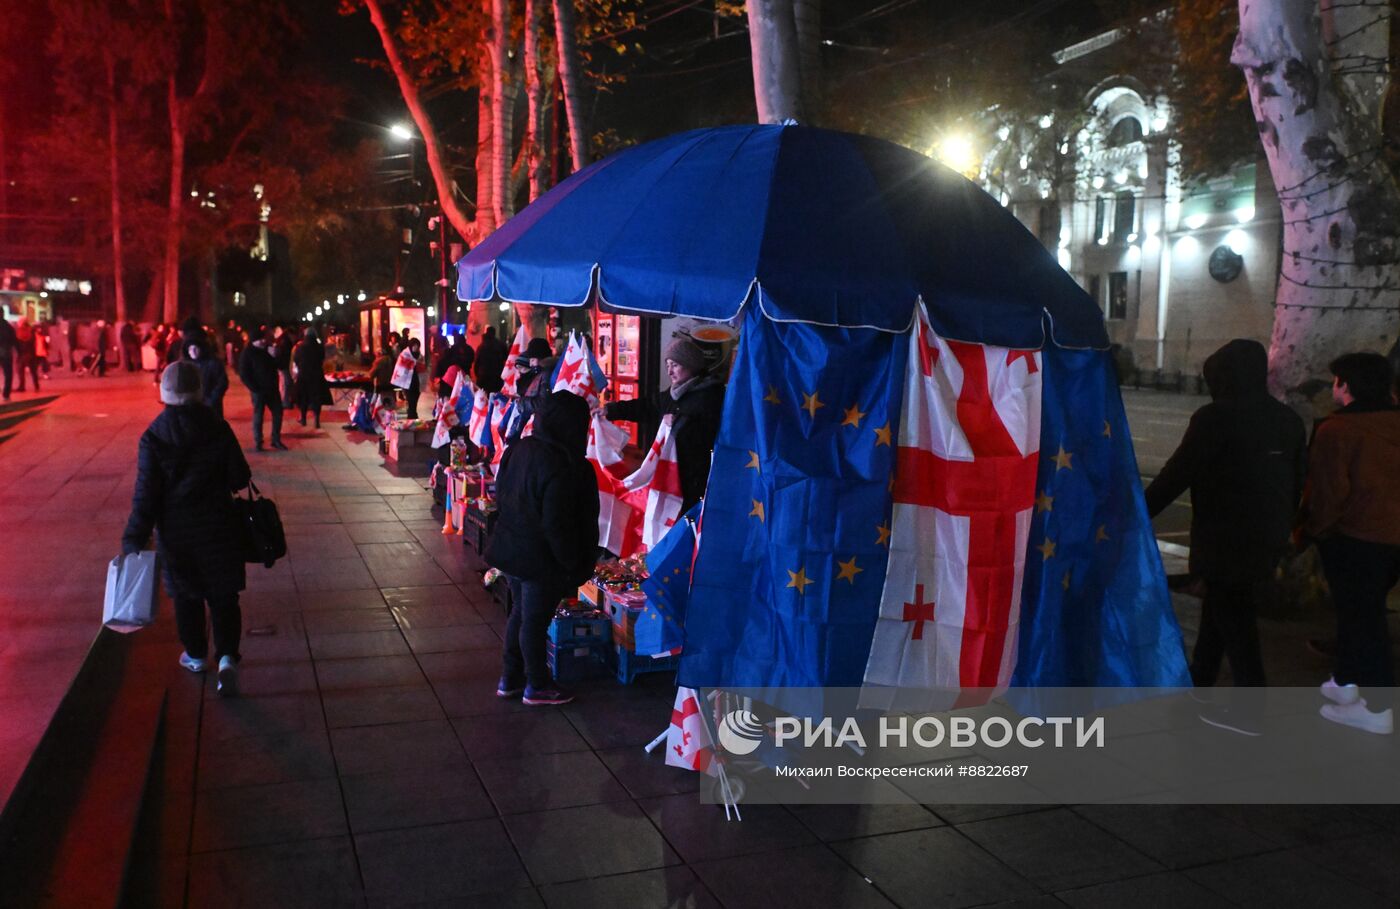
{"x": 964, "y": 487}
{"x": 908, "y": 510}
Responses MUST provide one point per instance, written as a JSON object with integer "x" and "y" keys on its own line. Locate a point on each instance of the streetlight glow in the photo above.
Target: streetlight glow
{"x": 956, "y": 151}
{"x": 401, "y": 131}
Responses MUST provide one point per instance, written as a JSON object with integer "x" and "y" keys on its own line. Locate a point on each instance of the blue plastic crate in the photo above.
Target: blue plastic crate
{"x": 630, "y": 665}
{"x": 576, "y": 631}
{"x": 576, "y": 663}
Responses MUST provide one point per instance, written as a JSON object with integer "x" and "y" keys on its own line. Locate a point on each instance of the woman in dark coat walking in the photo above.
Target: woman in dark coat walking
{"x": 312, "y": 392}
{"x": 188, "y": 466}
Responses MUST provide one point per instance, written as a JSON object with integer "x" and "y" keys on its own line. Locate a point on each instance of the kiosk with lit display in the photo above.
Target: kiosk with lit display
{"x": 388, "y": 314}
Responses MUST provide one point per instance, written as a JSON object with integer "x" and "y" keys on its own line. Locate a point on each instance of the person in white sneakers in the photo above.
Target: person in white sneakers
{"x": 188, "y": 467}
{"x": 1352, "y": 510}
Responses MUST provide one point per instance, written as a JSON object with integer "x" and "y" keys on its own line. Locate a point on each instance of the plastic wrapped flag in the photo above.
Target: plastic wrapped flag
{"x": 579, "y": 372}
{"x": 452, "y": 409}
{"x": 688, "y": 742}
{"x": 509, "y": 374}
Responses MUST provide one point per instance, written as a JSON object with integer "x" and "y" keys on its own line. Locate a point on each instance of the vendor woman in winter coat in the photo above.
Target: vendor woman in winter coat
{"x": 188, "y": 466}
{"x": 546, "y": 538}
{"x": 697, "y": 400}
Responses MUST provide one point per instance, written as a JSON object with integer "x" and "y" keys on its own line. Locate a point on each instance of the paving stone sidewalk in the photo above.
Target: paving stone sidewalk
{"x": 368, "y": 762}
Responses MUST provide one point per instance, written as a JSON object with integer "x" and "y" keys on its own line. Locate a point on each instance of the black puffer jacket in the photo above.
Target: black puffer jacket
{"x": 490, "y": 360}
{"x": 213, "y": 378}
{"x": 1243, "y": 458}
{"x": 459, "y": 355}
{"x": 187, "y": 465}
{"x": 695, "y": 427}
{"x": 258, "y": 370}
{"x": 548, "y": 498}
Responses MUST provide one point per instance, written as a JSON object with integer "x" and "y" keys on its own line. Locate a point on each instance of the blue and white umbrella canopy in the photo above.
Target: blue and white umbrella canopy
{"x": 813, "y": 225}
{"x": 832, "y": 240}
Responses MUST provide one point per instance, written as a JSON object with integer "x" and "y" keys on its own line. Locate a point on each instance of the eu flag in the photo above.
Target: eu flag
{"x": 1094, "y": 608}
{"x": 787, "y": 584}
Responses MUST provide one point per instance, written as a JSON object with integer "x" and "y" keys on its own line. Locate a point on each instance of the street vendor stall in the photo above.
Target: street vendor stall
{"x": 914, "y": 371}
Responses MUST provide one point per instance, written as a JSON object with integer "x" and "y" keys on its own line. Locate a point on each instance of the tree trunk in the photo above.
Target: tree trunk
{"x": 503, "y": 94}
{"x": 113, "y": 150}
{"x": 807, "y": 15}
{"x": 535, "y": 96}
{"x": 570, "y": 78}
{"x": 485, "y": 165}
{"x": 1339, "y": 287}
{"x": 432, "y": 146}
{"x": 174, "y": 222}
{"x": 777, "y": 80}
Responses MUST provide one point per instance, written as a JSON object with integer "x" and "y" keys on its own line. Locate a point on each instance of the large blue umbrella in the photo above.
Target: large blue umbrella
{"x": 812, "y": 225}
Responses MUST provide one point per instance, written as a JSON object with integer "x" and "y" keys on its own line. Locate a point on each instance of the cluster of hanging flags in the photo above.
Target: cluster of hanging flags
{"x": 635, "y": 511}
{"x": 890, "y": 511}
{"x": 906, "y": 511}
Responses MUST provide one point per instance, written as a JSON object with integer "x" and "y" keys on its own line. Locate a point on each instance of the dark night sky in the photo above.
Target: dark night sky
{"x": 686, "y": 77}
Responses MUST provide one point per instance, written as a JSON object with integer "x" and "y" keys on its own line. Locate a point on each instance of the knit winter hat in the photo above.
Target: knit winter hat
{"x": 180, "y": 384}
{"x": 685, "y": 352}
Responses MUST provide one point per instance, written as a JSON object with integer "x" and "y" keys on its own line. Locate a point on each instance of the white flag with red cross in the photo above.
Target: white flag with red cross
{"x": 619, "y": 530}
{"x": 688, "y": 742}
{"x": 579, "y": 372}
{"x": 964, "y": 494}
{"x": 509, "y": 374}
{"x": 654, "y": 488}
{"x": 478, "y": 430}
{"x": 448, "y": 414}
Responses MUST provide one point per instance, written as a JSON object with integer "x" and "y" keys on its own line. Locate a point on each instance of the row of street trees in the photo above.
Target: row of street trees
{"x": 505, "y": 54}
{"x": 187, "y": 128}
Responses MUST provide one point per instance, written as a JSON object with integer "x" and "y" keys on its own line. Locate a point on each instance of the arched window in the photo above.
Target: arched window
{"x": 1124, "y": 132}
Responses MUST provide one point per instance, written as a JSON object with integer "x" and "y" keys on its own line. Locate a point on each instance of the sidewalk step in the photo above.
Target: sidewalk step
{"x": 71, "y": 828}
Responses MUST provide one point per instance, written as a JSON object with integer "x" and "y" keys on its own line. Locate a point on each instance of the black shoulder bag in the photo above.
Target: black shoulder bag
{"x": 263, "y": 538}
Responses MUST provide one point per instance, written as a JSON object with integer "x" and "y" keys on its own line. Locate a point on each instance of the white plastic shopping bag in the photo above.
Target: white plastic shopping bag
{"x": 130, "y": 602}
{"x": 403, "y": 370}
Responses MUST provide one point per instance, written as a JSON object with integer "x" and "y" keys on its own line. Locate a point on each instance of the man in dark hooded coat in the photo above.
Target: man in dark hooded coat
{"x": 490, "y": 360}
{"x": 546, "y": 538}
{"x": 1243, "y": 458}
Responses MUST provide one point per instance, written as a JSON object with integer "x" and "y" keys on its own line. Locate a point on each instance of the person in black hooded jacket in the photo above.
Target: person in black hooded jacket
{"x": 546, "y": 538}
{"x": 193, "y": 345}
{"x": 1243, "y": 458}
{"x": 188, "y": 464}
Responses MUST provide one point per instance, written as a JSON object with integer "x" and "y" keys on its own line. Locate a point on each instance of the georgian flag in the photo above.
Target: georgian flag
{"x": 688, "y": 742}
{"x": 509, "y": 374}
{"x": 963, "y": 497}
{"x": 478, "y": 429}
{"x": 502, "y": 413}
{"x": 654, "y": 488}
{"x": 617, "y": 531}
{"x": 579, "y": 372}
{"x": 449, "y": 414}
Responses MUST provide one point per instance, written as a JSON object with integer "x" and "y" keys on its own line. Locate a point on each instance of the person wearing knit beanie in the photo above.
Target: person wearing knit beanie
{"x": 687, "y": 354}
{"x": 695, "y": 401}
{"x": 180, "y": 384}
